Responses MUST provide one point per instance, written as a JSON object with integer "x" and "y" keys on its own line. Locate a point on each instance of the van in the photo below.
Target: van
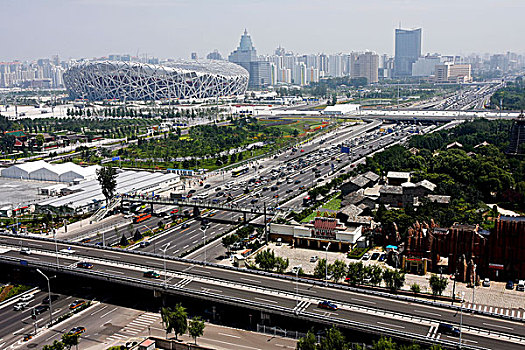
{"x": 521, "y": 286}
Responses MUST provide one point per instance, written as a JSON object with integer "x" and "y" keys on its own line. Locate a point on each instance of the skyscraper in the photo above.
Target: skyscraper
{"x": 366, "y": 65}
{"x": 407, "y": 51}
{"x": 246, "y": 56}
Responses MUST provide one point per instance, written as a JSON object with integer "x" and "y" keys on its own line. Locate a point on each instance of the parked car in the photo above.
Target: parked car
{"x": 25, "y": 251}
{"x": 510, "y": 285}
{"x": 486, "y": 282}
{"x": 375, "y": 256}
{"x": 20, "y": 306}
{"x": 144, "y": 244}
{"x": 27, "y": 297}
{"x": 77, "y": 331}
{"x": 448, "y": 329}
{"x": 521, "y": 286}
{"x": 366, "y": 256}
{"x": 151, "y": 274}
{"x": 325, "y": 304}
{"x": 314, "y": 258}
{"x": 41, "y": 309}
{"x": 76, "y": 304}
{"x": 85, "y": 265}
{"x": 382, "y": 257}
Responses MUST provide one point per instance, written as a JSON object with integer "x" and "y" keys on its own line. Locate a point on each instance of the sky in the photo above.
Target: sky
{"x": 32, "y": 29}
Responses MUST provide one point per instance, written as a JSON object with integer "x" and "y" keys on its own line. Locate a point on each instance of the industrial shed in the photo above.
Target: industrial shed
{"x": 43, "y": 171}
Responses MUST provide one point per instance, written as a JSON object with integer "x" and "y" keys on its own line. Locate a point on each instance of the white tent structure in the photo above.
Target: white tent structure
{"x": 43, "y": 171}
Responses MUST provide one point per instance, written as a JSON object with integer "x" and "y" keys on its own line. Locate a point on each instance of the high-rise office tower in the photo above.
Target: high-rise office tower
{"x": 366, "y": 65}
{"x": 246, "y": 56}
{"x": 407, "y": 51}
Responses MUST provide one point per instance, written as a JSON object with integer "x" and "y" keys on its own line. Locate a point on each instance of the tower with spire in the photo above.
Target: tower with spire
{"x": 246, "y": 56}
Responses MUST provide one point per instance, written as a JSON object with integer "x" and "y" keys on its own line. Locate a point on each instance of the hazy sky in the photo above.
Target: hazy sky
{"x": 174, "y": 28}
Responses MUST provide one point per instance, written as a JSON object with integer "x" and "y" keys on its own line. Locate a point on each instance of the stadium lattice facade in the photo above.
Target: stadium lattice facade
{"x": 101, "y": 80}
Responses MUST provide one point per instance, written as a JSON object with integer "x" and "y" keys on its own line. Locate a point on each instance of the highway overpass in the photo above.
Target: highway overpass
{"x": 283, "y": 296}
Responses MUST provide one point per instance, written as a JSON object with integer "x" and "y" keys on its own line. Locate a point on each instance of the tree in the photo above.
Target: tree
{"x": 137, "y": 236}
{"x": 333, "y": 340}
{"x": 338, "y": 270}
{"x": 266, "y": 260}
{"x": 384, "y": 344}
{"x": 166, "y": 315}
{"x": 70, "y": 339}
{"x": 281, "y": 264}
{"x": 307, "y": 342}
{"x": 57, "y": 345}
{"x": 196, "y": 328}
{"x": 415, "y": 288}
{"x": 394, "y": 279}
{"x": 107, "y": 178}
{"x": 320, "y": 269}
{"x": 438, "y": 284}
{"x": 227, "y": 241}
{"x": 376, "y": 273}
{"x": 180, "y": 320}
{"x": 123, "y": 241}
{"x": 355, "y": 273}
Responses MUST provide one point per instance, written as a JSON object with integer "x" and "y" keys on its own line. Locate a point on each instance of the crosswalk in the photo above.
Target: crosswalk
{"x": 496, "y": 310}
{"x": 184, "y": 282}
{"x": 135, "y": 327}
{"x": 303, "y": 305}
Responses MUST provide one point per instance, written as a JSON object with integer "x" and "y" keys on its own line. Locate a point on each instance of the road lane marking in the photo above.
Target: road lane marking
{"x": 495, "y": 325}
{"x": 105, "y": 306}
{"x": 428, "y": 313}
{"x": 107, "y": 313}
{"x": 250, "y": 280}
{"x": 363, "y": 301}
{"x": 234, "y": 345}
{"x": 390, "y": 325}
{"x": 269, "y": 301}
{"x": 119, "y": 272}
{"x": 229, "y": 335}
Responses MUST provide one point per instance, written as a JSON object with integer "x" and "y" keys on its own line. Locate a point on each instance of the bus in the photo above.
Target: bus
{"x": 141, "y": 217}
{"x": 239, "y": 172}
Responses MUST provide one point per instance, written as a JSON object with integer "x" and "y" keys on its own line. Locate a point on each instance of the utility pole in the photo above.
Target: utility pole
{"x": 265, "y": 225}
{"x": 49, "y": 296}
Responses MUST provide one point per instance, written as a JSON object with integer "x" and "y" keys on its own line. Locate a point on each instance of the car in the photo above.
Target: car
{"x": 25, "y": 251}
{"x": 448, "y": 329}
{"x": 374, "y": 256}
{"x": 28, "y": 337}
{"x": 302, "y": 150}
{"x": 185, "y": 225}
{"x": 521, "y": 286}
{"x": 325, "y": 304}
{"x": 289, "y": 190}
{"x": 191, "y": 191}
{"x": 54, "y": 297}
{"x": 77, "y": 331}
{"x": 174, "y": 211}
{"x": 486, "y": 282}
{"x": 366, "y": 256}
{"x": 85, "y": 240}
{"x": 314, "y": 258}
{"x": 20, "y": 306}
{"x": 275, "y": 196}
{"x": 27, "y": 297}
{"x": 40, "y": 309}
{"x": 207, "y": 186}
{"x": 151, "y": 274}
{"x": 510, "y": 285}
{"x": 76, "y": 304}
{"x": 253, "y": 201}
{"x": 212, "y": 214}
{"x": 297, "y": 182}
{"x": 274, "y": 188}
{"x": 144, "y": 244}
{"x": 85, "y": 265}
{"x": 382, "y": 257}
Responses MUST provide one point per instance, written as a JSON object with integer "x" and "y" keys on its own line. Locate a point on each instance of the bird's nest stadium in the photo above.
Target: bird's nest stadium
{"x": 185, "y": 80}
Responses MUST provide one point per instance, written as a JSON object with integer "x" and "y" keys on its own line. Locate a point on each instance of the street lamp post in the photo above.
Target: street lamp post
{"x": 326, "y": 265}
{"x": 204, "y": 228}
{"x": 166, "y": 246}
{"x": 461, "y": 319}
{"x": 56, "y": 245}
{"x": 297, "y": 268}
{"x": 49, "y": 296}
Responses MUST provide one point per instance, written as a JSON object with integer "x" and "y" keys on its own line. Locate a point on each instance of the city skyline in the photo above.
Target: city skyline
{"x": 175, "y": 28}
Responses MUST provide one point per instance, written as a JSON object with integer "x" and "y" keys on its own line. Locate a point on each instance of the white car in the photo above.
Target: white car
{"x": 366, "y": 256}
{"x": 27, "y": 297}
{"x": 20, "y": 306}
{"x": 25, "y": 251}
{"x": 486, "y": 282}
{"x": 314, "y": 258}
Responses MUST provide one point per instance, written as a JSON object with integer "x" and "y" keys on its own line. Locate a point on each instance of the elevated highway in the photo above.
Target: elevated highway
{"x": 361, "y": 310}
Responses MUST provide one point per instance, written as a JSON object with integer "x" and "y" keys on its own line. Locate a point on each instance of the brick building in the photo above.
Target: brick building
{"x": 506, "y": 255}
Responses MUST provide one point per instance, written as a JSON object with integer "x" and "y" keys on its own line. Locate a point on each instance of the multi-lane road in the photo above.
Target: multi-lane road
{"x": 271, "y": 293}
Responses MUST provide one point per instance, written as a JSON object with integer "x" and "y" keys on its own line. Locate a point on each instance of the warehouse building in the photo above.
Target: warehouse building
{"x": 43, "y": 171}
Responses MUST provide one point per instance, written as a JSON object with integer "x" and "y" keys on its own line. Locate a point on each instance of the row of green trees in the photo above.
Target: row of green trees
{"x": 333, "y": 339}
{"x": 67, "y": 342}
{"x": 176, "y": 320}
